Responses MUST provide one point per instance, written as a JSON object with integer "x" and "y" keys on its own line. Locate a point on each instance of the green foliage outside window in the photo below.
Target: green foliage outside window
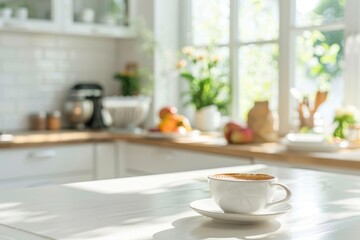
{"x": 323, "y": 52}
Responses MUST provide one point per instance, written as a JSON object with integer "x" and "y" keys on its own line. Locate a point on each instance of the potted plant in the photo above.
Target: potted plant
{"x": 129, "y": 80}
{"x": 208, "y": 86}
{"x": 343, "y": 118}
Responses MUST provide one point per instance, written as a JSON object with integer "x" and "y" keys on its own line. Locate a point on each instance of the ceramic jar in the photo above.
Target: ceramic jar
{"x": 208, "y": 119}
{"x": 263, "y": 122}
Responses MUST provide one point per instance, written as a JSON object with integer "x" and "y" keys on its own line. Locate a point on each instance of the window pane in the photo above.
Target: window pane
{"x": 224, "y": 72}
{"x": 107, "y": 12}
{"x": 210, "y": 21}
{"x": 317, "y": 12}
{"x": 258, "y": 73}
{"x": 320, "y": 66}
{"x": 258, "y": 20}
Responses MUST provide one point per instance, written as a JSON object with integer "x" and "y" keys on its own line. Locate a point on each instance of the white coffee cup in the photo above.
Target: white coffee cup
{"x": 245, "y": 193}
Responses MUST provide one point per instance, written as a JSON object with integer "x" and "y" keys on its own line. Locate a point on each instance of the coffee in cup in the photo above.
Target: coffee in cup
{"x": 245, "y": 192}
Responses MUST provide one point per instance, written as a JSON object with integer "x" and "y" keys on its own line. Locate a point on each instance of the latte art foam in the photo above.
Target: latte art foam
{"x": 242, "y": 176}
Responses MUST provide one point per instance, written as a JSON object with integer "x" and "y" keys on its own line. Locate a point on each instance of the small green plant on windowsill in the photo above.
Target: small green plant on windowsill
{"x": 129, "y": 83}
{"x": 129, "y": 80}
{"x": 132, "y": 81}
{"x": 343, "y": 118}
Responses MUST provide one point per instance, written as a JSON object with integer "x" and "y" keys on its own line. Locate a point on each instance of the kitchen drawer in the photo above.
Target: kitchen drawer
{"x": 26, "y": 162}
{"x": 150, "y": 159}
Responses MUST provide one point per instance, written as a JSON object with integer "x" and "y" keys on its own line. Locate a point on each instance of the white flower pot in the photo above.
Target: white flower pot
{"x": 208, "y": 119}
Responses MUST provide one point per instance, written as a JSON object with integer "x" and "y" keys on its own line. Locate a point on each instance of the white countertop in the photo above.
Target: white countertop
{"x": 325, "y": 206}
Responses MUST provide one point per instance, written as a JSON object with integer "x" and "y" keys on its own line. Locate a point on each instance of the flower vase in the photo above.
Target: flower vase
{"x": 263, "y": 123}
{"x": 208, "y": 119}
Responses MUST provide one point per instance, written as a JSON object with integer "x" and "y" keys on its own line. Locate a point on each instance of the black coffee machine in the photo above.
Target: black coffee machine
{"x": 93, "y": 92}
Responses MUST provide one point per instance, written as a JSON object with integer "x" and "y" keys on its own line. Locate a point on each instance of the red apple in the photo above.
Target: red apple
{"x": 167, "y": 110}
{"x": 230, "y": 127}
{"x": 243, "y": 136}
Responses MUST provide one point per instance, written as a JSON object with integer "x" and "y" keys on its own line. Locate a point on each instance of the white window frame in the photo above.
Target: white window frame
{"x": 287, "y": 57}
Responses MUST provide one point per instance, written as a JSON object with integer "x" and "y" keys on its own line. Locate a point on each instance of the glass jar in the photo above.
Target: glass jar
{"x": 53, "y": 120}
{"x": 38, "y": 121}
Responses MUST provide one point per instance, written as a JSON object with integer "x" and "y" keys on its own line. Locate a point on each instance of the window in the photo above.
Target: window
{"x": 305, "y": 37}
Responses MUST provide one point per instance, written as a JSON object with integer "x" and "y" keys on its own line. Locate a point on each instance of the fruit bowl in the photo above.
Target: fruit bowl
{"x": 172, "y": 123}
{"x": 127, "y": 112}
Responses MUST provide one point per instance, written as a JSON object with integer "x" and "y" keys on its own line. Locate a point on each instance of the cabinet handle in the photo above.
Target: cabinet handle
{"x": 43, "y": 154}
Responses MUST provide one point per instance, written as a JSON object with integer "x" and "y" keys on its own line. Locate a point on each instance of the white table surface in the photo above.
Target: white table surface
{"x": 325, "y": 206}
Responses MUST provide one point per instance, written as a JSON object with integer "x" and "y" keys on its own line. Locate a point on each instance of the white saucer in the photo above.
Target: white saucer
{"x": 208, "y": 208}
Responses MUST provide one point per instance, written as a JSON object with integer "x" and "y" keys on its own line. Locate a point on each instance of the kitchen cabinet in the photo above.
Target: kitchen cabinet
{"x": 99, "y": 17}
{"x": 141, "y": 159}
{"x": 56, "y": 164}
{"x": 33, "y": 16}
{"x": 34, "y": 166}
{"x": 106, "y": 18}
{"x": 29, "y": 162}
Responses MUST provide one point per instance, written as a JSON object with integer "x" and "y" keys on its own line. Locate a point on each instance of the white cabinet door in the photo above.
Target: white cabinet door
{"x": 99, "y": 18}
{"x": 34, "y": 16}
{"x": 105, "y": 155}
{"x": 145, "y": 159}
{"x": 66, "y": 17}
{"x": 27, "y": 162}
{"x": 24, "y": 167}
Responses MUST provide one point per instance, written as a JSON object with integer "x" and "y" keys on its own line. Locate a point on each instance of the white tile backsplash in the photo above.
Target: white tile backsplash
{"x": 37, "y": 70}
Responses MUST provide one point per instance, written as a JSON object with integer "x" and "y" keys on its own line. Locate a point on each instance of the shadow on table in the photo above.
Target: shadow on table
{"x": 199, "y": 227}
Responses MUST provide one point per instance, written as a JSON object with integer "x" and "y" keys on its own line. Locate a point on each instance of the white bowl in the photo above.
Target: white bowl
{"x": 127, "y": 112}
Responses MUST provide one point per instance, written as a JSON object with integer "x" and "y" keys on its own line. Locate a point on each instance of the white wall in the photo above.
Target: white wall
{"x": 36, "y": 71}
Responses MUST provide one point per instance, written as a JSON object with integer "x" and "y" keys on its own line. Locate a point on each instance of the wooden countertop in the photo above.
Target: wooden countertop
{"x": 347, "y": 159}
{"x": 324, "y": 206}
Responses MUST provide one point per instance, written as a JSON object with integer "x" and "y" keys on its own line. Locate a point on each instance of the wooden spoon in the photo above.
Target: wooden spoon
{"x": 319, "y": 99}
